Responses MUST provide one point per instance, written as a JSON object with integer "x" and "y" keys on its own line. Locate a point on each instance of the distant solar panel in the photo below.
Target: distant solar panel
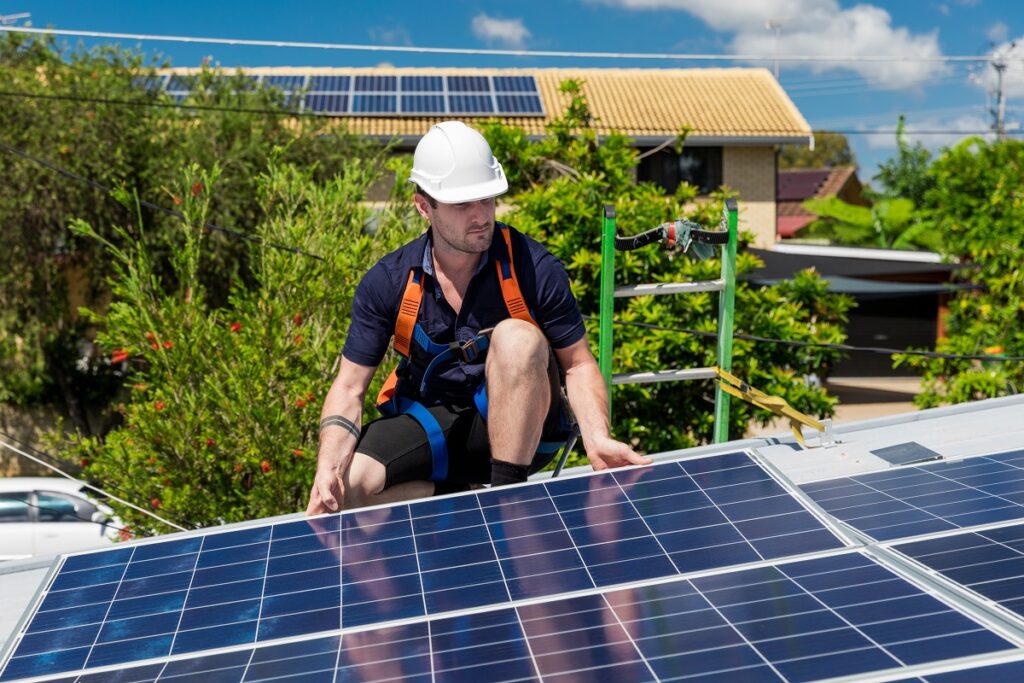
{"x": 329, "y": 83}
{"x": 909, "y": 501}
{"x": 990, "y": 562}
{"x": 806, "y": 620}
{"x": 407, "y": 561}
{"x": 422, "y": 83}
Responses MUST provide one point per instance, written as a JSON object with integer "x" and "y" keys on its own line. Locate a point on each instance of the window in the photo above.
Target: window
{"x": 57, "y": 507}
{"x": 14, "y": 507}
{"x": 699, "y": 166}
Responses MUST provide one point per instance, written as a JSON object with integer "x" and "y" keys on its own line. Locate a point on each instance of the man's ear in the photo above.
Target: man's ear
{"x": 422, "y": 205}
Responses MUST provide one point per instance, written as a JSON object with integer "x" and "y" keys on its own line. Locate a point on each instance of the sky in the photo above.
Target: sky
{"x": 858, "y": 97}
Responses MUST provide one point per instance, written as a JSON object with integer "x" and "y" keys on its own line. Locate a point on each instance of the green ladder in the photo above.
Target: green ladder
{"x": 724, "y": 285}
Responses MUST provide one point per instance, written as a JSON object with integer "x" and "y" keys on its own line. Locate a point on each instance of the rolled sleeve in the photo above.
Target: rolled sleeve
{"x": 373, "y": 318}
{"x": 557, "y": 312}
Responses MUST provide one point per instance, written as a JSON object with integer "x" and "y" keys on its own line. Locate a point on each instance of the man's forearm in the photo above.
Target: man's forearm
{"x": 337, "y": 442}
{"x": 588, "y": 398}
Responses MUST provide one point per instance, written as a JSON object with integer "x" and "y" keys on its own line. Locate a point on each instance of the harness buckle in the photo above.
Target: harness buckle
{"x": 473, "y": 348}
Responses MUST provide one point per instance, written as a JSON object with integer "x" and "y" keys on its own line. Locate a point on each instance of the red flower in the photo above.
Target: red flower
{"x": 119, "y": 356}
{"x": 151, "y": 336}
{"x": 297, "y": 452}
{"x": 155, "y": 502}
{"x": 197, "y": 189}
{"x": 238, "y": 467}
{"x": 168, "y": 344}
{"x": 210, "y": 443}
{"x": 177, "y": 200}
{"x": 159, "y": 405}
{"x": 310, "y": 397}
{"x": 297, "y": 319}
{"x": 125, "y": 534}
{"x": 300, "y": 403}
{"x": 154, "y": 346}
{"x": 265, "y": 466}
{"x": 84, "y": 462}
{"x": 298, "y": 339}
{"x": 235, "y": 327}
{"x": 152, "y": 459}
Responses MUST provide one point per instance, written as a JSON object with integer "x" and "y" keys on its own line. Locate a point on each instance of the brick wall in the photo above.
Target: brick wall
{"x": 751, "y": 172}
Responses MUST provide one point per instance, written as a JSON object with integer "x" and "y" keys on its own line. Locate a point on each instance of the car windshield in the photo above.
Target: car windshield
{"x": 58, "y": 507}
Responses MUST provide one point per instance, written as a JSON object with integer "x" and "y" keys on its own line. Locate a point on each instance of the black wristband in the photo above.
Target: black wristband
{"x": 340, "y": 421}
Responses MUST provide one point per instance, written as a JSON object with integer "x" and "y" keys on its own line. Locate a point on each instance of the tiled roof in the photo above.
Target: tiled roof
{"x": 796, "y": 185}
{"x": 742, "y": 105}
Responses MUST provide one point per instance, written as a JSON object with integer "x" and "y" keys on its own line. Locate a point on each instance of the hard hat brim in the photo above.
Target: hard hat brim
{"x": 471, "y": 193}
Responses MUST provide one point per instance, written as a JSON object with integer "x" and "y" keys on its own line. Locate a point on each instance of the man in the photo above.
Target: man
{"x": 453, "y": 420}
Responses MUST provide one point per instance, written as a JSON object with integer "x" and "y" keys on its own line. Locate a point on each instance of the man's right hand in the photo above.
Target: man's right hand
{"x": 328, "y": 492}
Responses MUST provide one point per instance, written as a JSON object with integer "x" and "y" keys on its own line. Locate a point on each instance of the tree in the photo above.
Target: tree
{"x": 887, "y": 224}
{"x": 219, "y": 412}
{"x": 974, "y": 203}
{"x": 86, "y": 112}
{"x": 906, "y": 174}
{"x": 830, "y": 150}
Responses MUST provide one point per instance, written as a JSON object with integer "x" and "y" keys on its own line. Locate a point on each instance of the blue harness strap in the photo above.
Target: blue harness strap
{"x": 544, "y": 447}
{"x": 435, "y": 437}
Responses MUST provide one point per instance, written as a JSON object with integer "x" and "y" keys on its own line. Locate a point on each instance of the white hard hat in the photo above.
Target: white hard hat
{"x": 453, "y": 163}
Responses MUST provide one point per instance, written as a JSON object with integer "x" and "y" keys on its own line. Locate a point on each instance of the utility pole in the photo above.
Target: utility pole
{"x": 999, "y": 111}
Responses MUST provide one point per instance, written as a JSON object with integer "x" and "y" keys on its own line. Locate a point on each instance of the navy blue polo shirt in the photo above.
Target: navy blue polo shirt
{"x": 542, "y": 280}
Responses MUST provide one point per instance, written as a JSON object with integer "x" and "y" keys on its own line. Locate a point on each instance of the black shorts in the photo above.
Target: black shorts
{"x": 401, "y": 445}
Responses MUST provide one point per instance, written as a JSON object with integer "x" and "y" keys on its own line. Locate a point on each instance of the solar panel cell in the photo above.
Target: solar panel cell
{"x": 329, "y": 83}
{"x": 373, "y": 104}
{"x": 422, "y": 83}
{"x": 423, "y": 104}
{"x": 470, "y": 104}
{"x": 376, "y": 83}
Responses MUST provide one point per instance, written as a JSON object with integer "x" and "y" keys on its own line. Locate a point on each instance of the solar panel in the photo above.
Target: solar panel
{"x": 384, "y": 95}
{"x": 909, "y": 501}
{"x": 989, "y": 562}
{"x": 409, "y": 561}
{"x": 796, "y": 621}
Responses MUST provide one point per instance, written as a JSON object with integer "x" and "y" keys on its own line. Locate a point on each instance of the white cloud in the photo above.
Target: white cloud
{"x": 508, "y": 32}
{"x": 1012, "y": 53}
{"x": 817, "y": 28}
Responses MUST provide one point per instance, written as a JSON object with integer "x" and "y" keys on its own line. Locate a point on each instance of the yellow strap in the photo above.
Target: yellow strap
{"x": 733, "y": 386}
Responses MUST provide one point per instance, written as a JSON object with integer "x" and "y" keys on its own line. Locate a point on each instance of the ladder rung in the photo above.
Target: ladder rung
{"x": 663, "y": 376}
{"x": 670, "y": 288}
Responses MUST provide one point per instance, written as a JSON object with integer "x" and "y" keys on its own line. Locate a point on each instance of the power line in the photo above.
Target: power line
{"x": 822, "y": 345}
{"x": 494, "y": 52}
{"x": 150, "y": 205}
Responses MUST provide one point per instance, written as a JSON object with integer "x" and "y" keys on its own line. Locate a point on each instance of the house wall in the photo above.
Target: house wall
{"x": 751, "y": 172}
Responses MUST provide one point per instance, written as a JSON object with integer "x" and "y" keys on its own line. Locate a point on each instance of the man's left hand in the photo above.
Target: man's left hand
{"x": 607, "y": 452}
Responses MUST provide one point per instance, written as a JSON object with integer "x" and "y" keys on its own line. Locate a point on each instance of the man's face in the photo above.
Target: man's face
{"x": 466, "y": 227}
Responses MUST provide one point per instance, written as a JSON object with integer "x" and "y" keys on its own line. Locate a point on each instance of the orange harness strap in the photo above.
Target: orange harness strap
{"x": 510, "y": 284}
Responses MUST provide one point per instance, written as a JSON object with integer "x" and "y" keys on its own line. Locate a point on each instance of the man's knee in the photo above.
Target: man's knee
{"x": 517, "y": 343}
{"x": 365, "y": 478}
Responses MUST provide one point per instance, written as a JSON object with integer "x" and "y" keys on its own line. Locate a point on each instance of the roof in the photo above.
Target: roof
{"x": 796, "y": 185}
{"x": 721, "y": 106}
{"x": 784, "y": 260}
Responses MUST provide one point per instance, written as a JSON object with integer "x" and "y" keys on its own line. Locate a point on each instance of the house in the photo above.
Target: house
{"x": 736, "y": 118}
{"x": 797, "y": 185}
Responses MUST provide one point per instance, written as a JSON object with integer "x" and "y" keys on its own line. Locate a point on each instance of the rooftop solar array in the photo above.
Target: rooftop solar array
{"x": 397, "y": 95}
{"x": 709, "y": 568}
{"x": 941, "y": 496}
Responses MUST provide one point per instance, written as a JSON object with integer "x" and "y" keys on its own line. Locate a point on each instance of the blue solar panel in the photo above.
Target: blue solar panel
{"x": 990, "y": 562}
{"x": 373, "y": 104}
{"x": 329, "y": 83}
{"x": 470, "y": 104}
{"x": 806, "y": 620}
{"x": 516, "y": 84}
{"x": 468, "y": 84}
{"x": 422, "y": 83}
{"x": 423, "y": 104}
{"x": 908, "y": 501}
{"x": 181, "y": 83}
{"x": 409, "y": 561}
{"x": 376, "y": 83}
{"x": 519, "y": 104}
{"x": 284, "y": 82}
{"x": 326, "y": 104}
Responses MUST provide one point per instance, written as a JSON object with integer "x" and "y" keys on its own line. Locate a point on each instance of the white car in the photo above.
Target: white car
{"x": 51, "y": 515}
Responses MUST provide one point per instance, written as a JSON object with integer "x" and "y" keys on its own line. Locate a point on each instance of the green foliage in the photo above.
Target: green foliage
{"x": 71, "y": 112}
{"x": 830, "y": 150}
{"x": 906, "y": 174}
{"x": 567, "y": 180}
{"x": 976, "y": 205}
{"x": 219, "y": 423}
{"x": 888, "y": 224}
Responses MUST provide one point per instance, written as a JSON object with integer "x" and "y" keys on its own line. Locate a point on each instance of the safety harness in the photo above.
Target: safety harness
{"x": 408, "y": 331}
